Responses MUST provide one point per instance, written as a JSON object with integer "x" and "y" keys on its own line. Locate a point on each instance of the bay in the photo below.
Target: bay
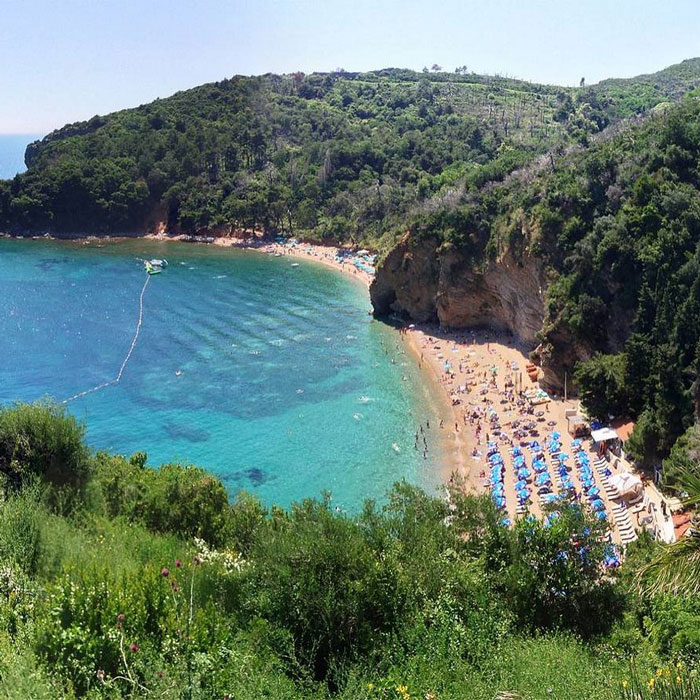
{"x": 272, "y": 376}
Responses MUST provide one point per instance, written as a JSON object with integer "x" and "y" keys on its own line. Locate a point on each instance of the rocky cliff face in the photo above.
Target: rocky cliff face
{"x": 407, "y": 281}
{"x": 422, "y": 282}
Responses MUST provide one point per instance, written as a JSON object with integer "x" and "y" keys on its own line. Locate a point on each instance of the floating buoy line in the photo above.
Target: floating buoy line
{"x": 117, "y": 379}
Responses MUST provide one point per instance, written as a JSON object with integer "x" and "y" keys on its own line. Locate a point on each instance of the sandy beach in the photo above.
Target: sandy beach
{"x": 470, "y": 355}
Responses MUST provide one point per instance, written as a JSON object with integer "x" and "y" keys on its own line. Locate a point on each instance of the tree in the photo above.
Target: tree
{"x": 435, "y": 68}
{"x": 602, "y": 382}
{"x": 582, "y": 82}
{"x": 675, "y": 568}
{"x": 41, "y": 440}
{"x": 549, "y": 572}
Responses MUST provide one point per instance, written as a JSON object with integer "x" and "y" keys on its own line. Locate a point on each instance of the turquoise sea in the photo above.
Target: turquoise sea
{"x": 274, "y": 377}
{"x": 12, "y": 147}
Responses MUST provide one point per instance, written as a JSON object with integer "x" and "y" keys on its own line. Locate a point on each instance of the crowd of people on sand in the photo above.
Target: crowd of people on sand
{"x": 482, "y": 374}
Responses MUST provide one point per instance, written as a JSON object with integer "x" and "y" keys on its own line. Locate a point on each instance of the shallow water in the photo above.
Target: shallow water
{"x": 271, "y": 376}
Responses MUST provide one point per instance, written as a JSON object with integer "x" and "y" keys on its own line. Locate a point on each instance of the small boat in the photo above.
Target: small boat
{"x": 295, "y": 264}
{"x": 152, "y": 270}
{"x": 156, "y": 262}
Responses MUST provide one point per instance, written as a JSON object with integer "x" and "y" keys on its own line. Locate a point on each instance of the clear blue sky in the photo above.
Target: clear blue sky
{"x": 66, "y": 60}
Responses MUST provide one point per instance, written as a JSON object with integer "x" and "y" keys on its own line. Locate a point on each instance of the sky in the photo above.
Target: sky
{"x": 65, "y": 60}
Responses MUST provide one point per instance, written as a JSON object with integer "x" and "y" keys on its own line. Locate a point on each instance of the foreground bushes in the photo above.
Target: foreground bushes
{"x": 41, "y": 440}
{"x": 152, "y": 584}
{"x": 182, "y": 500}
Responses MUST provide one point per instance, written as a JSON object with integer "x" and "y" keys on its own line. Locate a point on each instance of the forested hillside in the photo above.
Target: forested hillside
{"x": 616, "y": 228}
{"x": 341, "y": 156}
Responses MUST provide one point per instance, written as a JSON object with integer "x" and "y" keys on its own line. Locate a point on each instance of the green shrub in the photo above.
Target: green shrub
{"x": 42, "y": 440}
{"x": 20, "y": 531}
{"x": 182, "y": 500}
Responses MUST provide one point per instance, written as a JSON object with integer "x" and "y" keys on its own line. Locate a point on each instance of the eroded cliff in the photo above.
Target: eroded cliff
{"x": 424, "y": 281}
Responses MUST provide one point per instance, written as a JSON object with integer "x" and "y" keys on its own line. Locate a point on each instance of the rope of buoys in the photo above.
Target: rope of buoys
{"x": 117, "y": 379}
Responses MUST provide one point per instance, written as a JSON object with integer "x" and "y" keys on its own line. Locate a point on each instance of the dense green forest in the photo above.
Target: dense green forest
{"x": 122, "y": 581}
{"x": 618, "y": 226}
{"x": 338, "y": 156}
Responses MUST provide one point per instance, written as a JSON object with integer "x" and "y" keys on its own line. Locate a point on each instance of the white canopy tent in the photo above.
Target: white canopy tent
{"x": 604, "y": 434}
{"x": 628, "y": 486}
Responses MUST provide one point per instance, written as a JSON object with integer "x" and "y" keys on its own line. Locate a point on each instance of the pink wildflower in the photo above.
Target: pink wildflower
{"x": 165, "y": 572}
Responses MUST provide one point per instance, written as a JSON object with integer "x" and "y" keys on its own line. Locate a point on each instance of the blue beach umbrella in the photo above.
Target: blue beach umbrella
{"x": 542, "y": 479}
{"x": 594, "y": 491}
{"x": 520, "y": 485}
{"x": 524, "y": 473}
{"x": 549, "y": 498}
{"x": 597, "y": 504}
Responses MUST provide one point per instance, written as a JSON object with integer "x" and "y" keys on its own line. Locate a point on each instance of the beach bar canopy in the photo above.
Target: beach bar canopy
{"x": 628, "y": 486}
{"x": 604, "y": 434}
